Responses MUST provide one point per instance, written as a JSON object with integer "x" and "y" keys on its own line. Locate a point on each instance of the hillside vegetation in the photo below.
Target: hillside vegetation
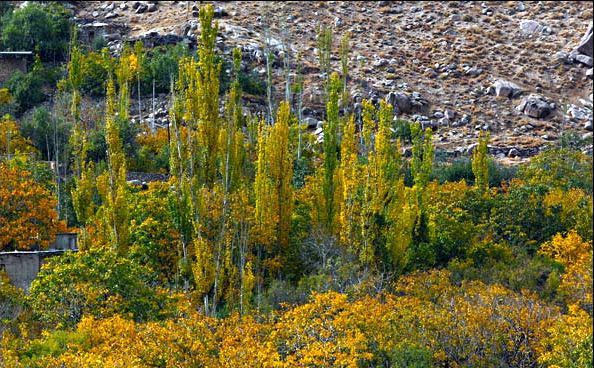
{"x": 257, "y": 242}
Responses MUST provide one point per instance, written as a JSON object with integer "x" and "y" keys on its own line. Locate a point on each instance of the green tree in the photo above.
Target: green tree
{"x": 331, "y": 150}
{"x": 37, "y": 26}
{"x": 96, "y": 282}
{"x": 480, "y": 163}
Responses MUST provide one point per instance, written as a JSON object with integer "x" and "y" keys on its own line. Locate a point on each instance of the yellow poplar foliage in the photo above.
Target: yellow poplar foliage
{"x": 349, "y": 180}
{"x": 11, "y": 140}
{"x": 112, "y": 185}
{"x": 480, "y": 163}
{"x": 28, "y": 214}
{"x": 281, "y": 172}
{"x": 574, "y": 209}
{"x": 272, "y": 187}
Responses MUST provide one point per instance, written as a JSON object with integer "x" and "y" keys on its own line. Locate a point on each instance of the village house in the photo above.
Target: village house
{"x": 23, "y": 266}
{"x": 13, "y": 61}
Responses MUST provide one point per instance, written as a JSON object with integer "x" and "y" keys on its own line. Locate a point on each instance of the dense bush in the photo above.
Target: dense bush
{"x": 27, "y": 89}
{"x": 95, "y": 282}
{"x": 43, "y": 27}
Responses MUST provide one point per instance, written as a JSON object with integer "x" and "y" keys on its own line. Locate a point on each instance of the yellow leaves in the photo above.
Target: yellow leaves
{"x": 574, "y": 208}
{"x": 569, "y": 250}
{"x": 576, "y": 256}
{"x": 11, "y": 140}
{"x": 568, "y": 342}
{"x": 468, "y": 325}
{"x": 5, "y": 97}
{"x": 27, "y": 211}
{"x": 273, "y": 183}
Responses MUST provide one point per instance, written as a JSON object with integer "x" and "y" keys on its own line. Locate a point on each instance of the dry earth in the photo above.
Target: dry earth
{"x": 448, "y": 52}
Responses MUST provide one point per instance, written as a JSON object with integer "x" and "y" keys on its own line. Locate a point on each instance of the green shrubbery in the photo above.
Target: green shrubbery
{"x": 42, "y": 27}
{"x": 95, "y": 282}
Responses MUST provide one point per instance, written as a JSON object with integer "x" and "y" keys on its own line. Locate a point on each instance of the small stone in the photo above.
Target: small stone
{"x": 141, "y": 8}
{"x": 513, "y": 153}
{"x": 450, "y": 114}
{"x": 531, "y": 26}
{"x": 220, "y": 12}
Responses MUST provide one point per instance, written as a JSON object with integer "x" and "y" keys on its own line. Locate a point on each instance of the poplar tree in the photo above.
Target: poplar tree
{"x": 349, "y": 172}
{"x": 421, "y": 166}
{"x": 113, "y": 184}
{"x": 84, "y": 172}
{"x": 480, "y": 163}
{"x": 324, "y": 48}
{"x": 207, "y": 93}
{"x": 345, "y": 49}
{"x": 330, "y": 159}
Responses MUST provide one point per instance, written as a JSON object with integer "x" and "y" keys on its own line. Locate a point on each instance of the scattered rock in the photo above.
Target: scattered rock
{"x": 450, "y": 114}
{"x": 474, "y": 71}
{"x": 586, "y": 60}
{"x": 141, "y": 8}
{"x": 220, "y": 12}
{"x": 152, "y": 7}
{"x": 585, "y": 46}
{"x": 310, "y": 122}
{"x": 530, "y": 26}
{"x": 400, "y": 101}
{"x": 505, "y": 89}
{"x": 588, "y": 125}
{"x": 577, "y": 113}
{"x": 513, "y": 153}
{"x": 535, "y": 106}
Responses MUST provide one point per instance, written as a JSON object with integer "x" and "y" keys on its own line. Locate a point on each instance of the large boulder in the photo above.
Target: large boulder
{"x": 535, "y": 106}
{"x": 400, "y": 101}
{"x": 585, "y": 46}
{"x": 505, "y": 88}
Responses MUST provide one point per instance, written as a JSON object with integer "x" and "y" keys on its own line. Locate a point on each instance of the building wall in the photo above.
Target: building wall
{"x": 9, "y": 65}
{"x": 23, "y": 267}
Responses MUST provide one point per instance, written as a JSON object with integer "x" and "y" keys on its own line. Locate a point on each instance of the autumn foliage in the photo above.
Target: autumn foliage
{"x": 28, "y": 216}
{"x": 265, "y": 245}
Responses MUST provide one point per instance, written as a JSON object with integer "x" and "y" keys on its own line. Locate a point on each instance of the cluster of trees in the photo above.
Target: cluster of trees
{"x": 381, "y": 259}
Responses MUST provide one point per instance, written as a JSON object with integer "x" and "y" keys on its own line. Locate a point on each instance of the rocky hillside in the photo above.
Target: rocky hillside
{"x": 460, "y": 67}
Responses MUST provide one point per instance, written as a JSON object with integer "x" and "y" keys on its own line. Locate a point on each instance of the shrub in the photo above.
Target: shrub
{"x": 402, "y": 130}
{"x": 95, "y": 282}
{"x": 37, "y": 26}
{"x": 560, "y": 168}
{"x": 27, "y": 89}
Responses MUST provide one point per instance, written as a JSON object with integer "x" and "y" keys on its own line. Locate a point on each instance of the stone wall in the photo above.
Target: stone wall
{"x": 22, "y": 267}
{"x": 9, "y": 65}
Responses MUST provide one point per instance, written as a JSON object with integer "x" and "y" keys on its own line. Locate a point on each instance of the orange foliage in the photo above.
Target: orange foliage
{"x": 28, "y": 214}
